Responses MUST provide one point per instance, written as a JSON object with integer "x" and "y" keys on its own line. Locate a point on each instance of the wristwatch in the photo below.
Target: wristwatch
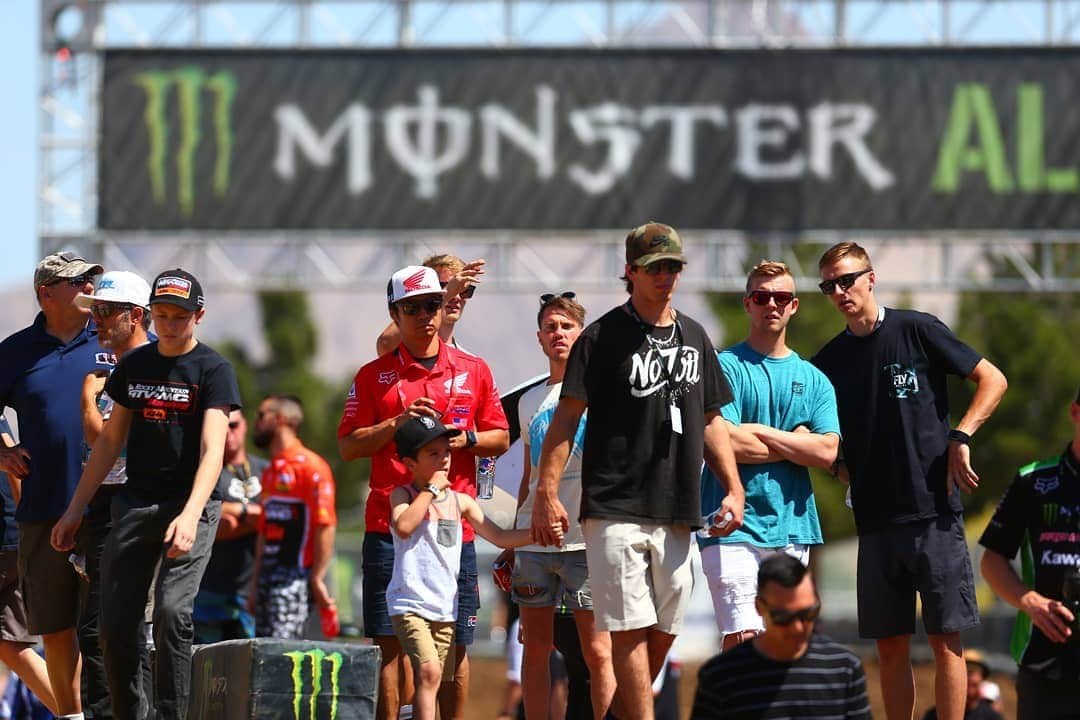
{"x": 433, "y": 490}
{"x": 959, "y": 436}
{"x": 470, "y": 439}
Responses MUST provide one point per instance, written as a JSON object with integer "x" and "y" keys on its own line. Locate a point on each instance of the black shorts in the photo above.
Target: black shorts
{"x": 50, "y": 585}
{"x": 926, "y": 556}
{"x": 12, "y": 609}
{"x": 378, "y": 566}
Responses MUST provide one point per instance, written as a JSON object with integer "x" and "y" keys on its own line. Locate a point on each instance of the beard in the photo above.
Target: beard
{"x": 262, "y": 438}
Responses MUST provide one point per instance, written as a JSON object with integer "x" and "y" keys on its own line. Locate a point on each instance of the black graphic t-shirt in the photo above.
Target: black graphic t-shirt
{"x": 635, "y": 466}
{"x": 1041, "y": 511}
{"x": 168, "y": 397}
{"x": 232, "y": 562}
{"x": 894, "y": 415}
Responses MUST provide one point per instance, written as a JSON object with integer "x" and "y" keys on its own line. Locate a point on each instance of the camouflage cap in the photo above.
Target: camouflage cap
{"x": 651, "y": 242}
{"x": 61, "y": 266}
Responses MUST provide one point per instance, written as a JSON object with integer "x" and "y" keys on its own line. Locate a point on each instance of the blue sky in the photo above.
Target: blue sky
{"x": 18, "y": 178}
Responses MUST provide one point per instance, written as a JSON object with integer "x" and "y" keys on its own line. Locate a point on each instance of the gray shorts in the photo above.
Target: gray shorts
{"x": 12, "y": 609}
{"x": 540, "y": 578}
{"x": 50, "y": 586}
{"x": 927, "y": 556}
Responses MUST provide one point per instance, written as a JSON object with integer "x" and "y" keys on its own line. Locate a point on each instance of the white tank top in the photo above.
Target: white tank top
{"x": 426, "y": 564}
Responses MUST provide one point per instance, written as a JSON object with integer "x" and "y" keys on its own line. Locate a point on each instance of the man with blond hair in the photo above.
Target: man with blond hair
{"x": 783, "y": 420}
{"x": 902, "y": 458}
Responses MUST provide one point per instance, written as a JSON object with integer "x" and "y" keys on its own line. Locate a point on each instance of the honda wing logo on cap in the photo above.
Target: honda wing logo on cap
{"x": 415, "y": 282}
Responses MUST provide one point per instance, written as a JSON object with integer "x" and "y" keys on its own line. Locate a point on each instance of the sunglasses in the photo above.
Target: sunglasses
{"x": 413, "y": 307}
{"x": 762, "y": 297}
{"x": 845, "y": 281}
{"x": 77, "y": 281}
{"x": 669, "y": 267}
{"x": 549, "y": 297}
{"x": 464, "y": 294}
{"x": 105, "y": 310}
{"x": 786, "y": 617}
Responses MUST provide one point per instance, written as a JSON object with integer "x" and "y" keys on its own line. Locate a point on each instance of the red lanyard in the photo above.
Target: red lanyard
{"x": 452, "y": 385}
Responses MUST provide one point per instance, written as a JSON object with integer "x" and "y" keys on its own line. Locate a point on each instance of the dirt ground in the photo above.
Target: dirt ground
{"x": 489, "y": 683}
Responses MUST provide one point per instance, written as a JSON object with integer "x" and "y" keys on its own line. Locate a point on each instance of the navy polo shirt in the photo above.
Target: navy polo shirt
{"x": 41, "y": 378}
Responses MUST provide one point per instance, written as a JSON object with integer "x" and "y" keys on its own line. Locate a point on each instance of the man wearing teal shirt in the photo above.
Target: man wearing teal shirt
{"x": 783, "y": 420}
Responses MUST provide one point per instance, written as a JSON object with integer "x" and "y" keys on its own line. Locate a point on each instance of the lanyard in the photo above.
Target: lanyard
{"x": 401, "y": 377}
{"x": 246, "y": 467}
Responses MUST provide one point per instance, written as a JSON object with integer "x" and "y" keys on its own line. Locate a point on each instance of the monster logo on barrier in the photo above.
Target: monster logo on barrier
{"x": 318, "y": 660}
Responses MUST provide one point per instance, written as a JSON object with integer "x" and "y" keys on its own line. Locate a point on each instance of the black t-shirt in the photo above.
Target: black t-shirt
{"x": 232, "y": 562}
{"x": 1041, "y": 511}
{"x": 634, "y": 466}
{"x": 168, "y": 397}
{"x": 894, "y": 415}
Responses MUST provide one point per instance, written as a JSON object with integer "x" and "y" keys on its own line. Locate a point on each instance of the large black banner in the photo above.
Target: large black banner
{"x": 755, "y": 140}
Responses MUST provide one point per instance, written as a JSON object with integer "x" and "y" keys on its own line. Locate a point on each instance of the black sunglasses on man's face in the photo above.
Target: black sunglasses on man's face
{"x": 844, "y": 282}
{"x": 413, "y": 307}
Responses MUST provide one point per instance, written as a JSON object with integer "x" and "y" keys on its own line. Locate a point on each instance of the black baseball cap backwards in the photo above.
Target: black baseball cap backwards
{"x": 177, "y": 287}
{"x": 418, "y": 432}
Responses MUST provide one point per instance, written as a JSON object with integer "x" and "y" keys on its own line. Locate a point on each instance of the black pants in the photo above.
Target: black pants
{"x": 132, "y": 553}
{"x": 1041, "y": 699}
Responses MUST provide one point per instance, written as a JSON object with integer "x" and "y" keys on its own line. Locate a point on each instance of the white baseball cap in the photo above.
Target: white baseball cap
{"x": 411, "y": 281}
{"x": 117, "y": 286}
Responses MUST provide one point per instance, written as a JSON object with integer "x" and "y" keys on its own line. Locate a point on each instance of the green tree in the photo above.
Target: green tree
{"x": 292, "y": 339}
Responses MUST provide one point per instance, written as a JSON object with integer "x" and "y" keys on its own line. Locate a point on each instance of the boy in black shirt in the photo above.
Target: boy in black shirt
{"x": 889, "y": 369}
{"x": 173, "y": 399}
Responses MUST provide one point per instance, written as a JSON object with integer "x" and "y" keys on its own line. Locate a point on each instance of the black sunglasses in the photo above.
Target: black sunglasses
{"x": 412, "y": 307}
{"x": 548, "y": 297}
{"x": 786, "y": 617}
{"x": 77, "y": 281}
{"x": 762, "y": 297}
{"x": 104, "y": 310}
{"x": 845, "y": 281}
{"x": 464, "y": 294}
{"x": 670, "y": 267}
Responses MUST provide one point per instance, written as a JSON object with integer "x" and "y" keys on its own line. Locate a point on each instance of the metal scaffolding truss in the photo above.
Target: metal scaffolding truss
{"x": 73, "y": 32}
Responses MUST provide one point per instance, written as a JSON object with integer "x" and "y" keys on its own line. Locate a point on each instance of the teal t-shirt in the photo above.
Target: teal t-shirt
{"x": 782, "y": 393}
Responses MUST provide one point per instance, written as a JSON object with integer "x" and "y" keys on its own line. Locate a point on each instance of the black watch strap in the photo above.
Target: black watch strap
{"x": 470, "y": 439}
{"x": 959, "y": 436}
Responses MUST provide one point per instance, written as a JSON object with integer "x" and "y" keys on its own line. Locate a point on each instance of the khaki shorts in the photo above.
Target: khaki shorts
{"x": 640, "y": 574}
{"x": 426, "y": 641}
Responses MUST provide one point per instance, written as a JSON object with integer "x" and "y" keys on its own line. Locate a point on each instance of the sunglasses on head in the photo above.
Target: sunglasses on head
{"x": 464, "y": 294}
{"x": 845, "y": 281}
{"x": 670, "y": 267}
{"x": 105, "y": 310}
{"x": 762, "y": 297}
{"x": 413, "y": 307}
{"x": 549, "y": 297}
{"x": 786, "y": 617}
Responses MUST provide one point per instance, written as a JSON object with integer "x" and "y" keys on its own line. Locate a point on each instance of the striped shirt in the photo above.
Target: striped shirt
{"x": 826, "y": 682}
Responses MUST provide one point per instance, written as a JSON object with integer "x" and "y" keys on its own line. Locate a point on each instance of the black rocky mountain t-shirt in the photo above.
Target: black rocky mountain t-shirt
{"x": 168, "y": 397}
{"x": 634, "y": 465}
{"x": 894, "y": 415}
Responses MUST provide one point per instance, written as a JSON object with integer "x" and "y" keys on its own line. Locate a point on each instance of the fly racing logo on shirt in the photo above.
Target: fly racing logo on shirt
{"x": 648, "y": 376}
{"x": 797, "y": 388}
{"x": 905, "y": 382}
{"x": 166, "y": 396}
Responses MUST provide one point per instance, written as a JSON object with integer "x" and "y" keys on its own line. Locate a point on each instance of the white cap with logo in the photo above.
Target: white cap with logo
{"x": 117, "y": 286}
{"x": 411, "y": 281}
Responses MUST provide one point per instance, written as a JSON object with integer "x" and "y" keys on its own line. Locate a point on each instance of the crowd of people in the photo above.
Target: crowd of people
{"x": 138, "y": 506}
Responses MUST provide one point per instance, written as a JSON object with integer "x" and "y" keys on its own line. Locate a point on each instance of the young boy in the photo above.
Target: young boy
{"x": 173, "y": 398}
{"x": 425, "y": 522}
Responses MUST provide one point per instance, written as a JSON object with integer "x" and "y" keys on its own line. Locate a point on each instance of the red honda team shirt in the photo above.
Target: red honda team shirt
{"x": 464, "y": 392}
{"x": 297, "y": 495}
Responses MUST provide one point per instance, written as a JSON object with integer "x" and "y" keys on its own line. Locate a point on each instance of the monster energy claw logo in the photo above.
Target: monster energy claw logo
{"x": 318, "y": 658}
{"x": 190, "y": 82}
